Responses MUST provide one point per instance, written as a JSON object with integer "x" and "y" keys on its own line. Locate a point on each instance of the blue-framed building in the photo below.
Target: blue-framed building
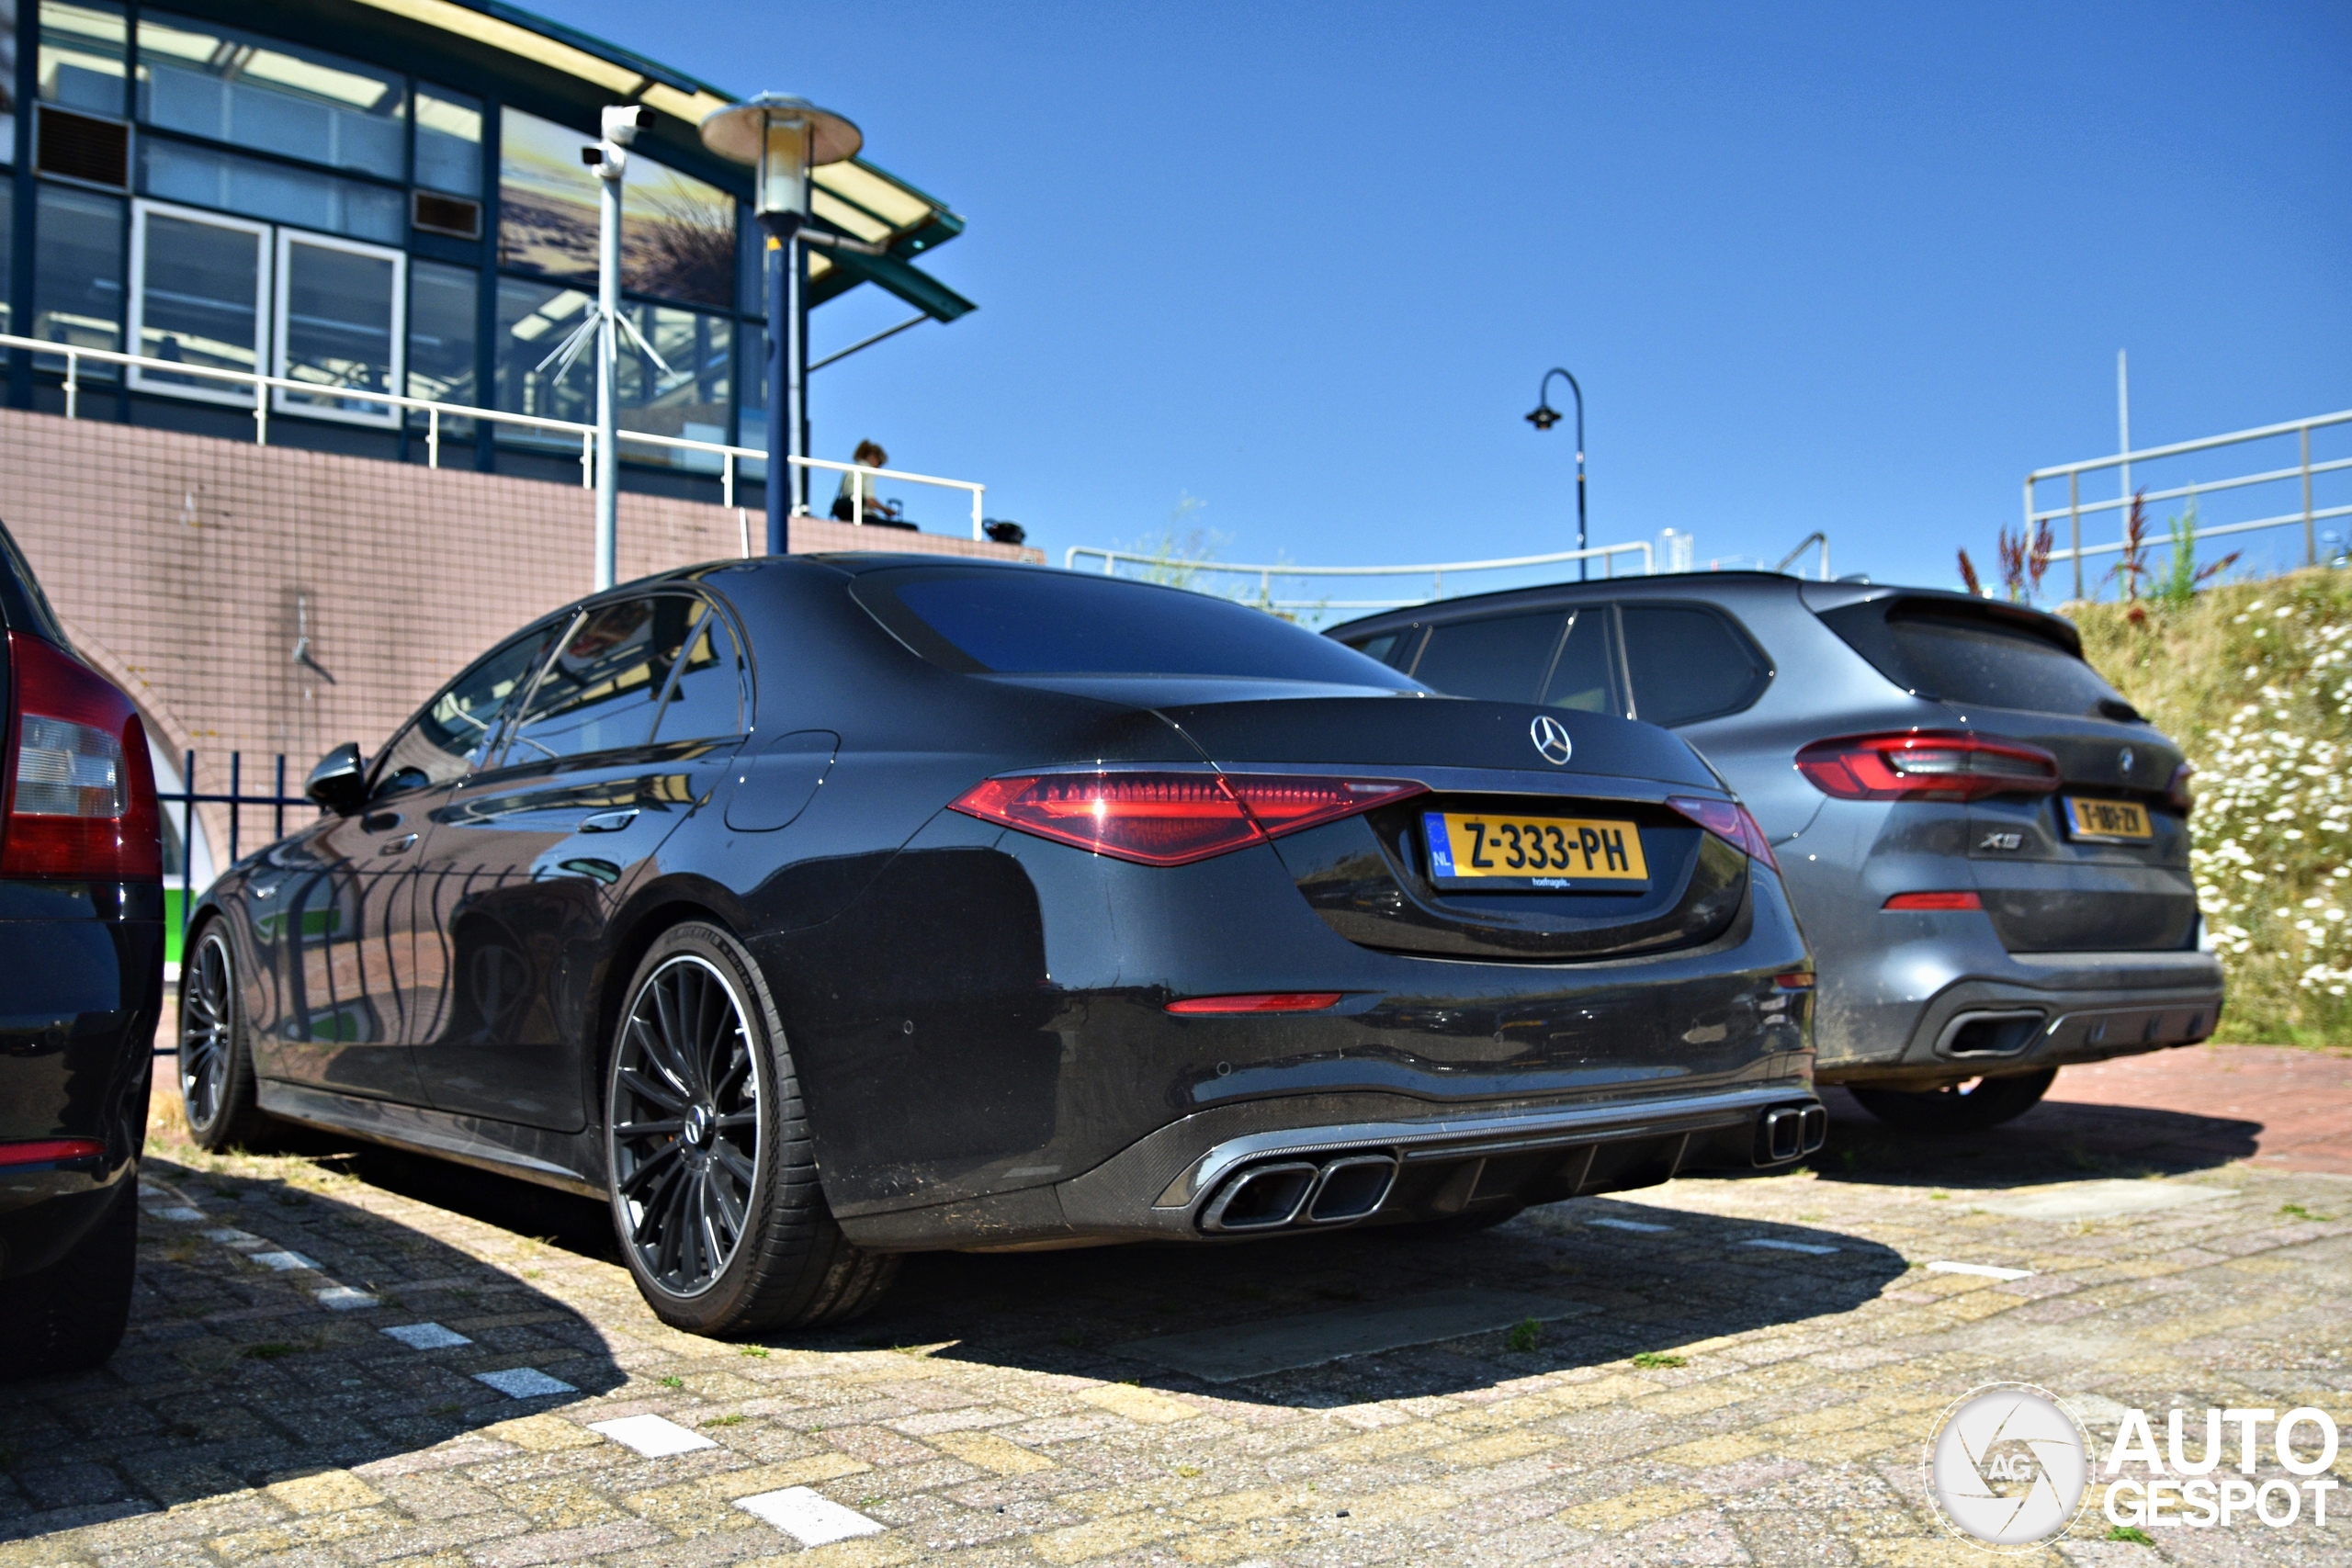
{"x": 377, "y": 194}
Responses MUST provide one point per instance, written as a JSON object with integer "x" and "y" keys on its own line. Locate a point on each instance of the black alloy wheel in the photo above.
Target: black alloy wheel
{"x": 1969, "y": 1107}
{"x": 685, "y": 1126}
{"x": 216, "y": 1063}
{"x": 713, "y": 1181}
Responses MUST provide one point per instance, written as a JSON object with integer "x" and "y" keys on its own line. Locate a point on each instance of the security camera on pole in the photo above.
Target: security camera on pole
{"x": 786, "y": 137}
{"x": 609, "y": 158}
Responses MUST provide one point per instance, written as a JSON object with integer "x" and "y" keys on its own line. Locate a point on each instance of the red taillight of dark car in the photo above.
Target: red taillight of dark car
{"x": 1927, "y": 765}
{"x": 1170, "y": 819}
{"x": 1944, "y": 903}
{"x": 50, "y": 1151}
{"x": 1250, "y": 1002}
{"x": 1728, "y": 821}
{"x": 80, "y": 791}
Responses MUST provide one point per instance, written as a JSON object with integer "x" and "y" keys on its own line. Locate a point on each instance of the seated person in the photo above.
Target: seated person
{"x": 869, "y": 455}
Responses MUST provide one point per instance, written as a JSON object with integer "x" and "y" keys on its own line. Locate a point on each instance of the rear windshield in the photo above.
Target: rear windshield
{"x": 1041, "y": 621}
{"x": 1964, "y": 658}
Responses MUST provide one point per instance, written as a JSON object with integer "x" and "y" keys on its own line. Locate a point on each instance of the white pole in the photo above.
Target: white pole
{"x": 2123, "y": 426}
{"x": 608, "y": 300}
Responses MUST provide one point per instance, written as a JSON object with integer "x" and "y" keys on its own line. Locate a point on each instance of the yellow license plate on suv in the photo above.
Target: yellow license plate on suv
{"x": 1542, "y": 851}
{"x": 2108, "y": 821}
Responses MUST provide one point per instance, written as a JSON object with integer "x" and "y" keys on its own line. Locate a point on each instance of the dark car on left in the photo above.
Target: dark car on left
{"x": 81, "y": 987}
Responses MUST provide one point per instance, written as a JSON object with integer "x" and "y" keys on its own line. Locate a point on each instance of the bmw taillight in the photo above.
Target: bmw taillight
{"x": 1170, "y": 819}
{"x": 1729, "y": 821}
{"x": 1921, "y": 765}
{"x": 80, "y": 790}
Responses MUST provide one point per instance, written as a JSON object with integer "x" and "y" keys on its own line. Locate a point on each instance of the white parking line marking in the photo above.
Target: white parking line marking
{"x": 1982, "y": 1270}
{"x": 651, "y": 1436}
{"x": 427, "y": 1335}
{"x": 281, "y": 1260}
{"x": 178, "y": 1216}
{"x": 233, "y": 1237}
{"x": 1629, "y": 1225}
{"x": 807, "y": 1518}
{"x": 525, "y": 1382}
{"x": 345, "y": 1297}
{"x": 1788, "y": 1246}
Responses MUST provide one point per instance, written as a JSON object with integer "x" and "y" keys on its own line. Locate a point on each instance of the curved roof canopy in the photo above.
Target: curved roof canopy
{"x": 853, "y": 198}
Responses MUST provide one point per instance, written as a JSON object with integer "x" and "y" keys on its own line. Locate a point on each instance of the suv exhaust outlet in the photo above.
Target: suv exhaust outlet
{"x": 1273, "y": 1197}
{"x": 1790, "y": 1132}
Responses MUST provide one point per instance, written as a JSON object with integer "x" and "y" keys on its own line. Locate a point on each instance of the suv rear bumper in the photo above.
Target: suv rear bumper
{"x": 2051, "y": 1009}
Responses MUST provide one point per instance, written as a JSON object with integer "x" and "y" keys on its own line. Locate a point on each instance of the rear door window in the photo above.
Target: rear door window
{"x": 599, "y": 691}
{"x": 706, "y": 700}
{"x": 1584, "y": 675}
{"x": 1689, "y": 662}
{"x": 1970, "y": 659}
{"x": 1501, "y": 659}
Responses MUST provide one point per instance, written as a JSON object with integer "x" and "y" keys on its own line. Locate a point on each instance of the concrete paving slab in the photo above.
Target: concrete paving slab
{"x": 2096, "y": 1199}
{"x": 1313, "y": 1339}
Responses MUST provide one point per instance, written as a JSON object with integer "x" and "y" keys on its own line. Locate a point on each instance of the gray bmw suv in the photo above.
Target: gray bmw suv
{"x": 1987, "y": 847}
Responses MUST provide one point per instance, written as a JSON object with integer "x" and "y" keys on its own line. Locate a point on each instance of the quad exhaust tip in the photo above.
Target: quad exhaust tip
{"x": 1790, "y": 1132}
{"x": 1301, "y": 1192}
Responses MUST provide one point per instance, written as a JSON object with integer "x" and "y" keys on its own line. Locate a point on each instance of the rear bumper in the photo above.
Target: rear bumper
{"x": 2048, "y": 1011}
{"x": 1186, "y": 1180}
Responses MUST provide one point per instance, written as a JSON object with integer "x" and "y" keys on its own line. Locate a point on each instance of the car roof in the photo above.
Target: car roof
{"x": 1722, "y": 587}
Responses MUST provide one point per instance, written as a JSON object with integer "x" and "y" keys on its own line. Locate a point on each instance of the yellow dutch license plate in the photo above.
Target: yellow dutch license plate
{"x": 2108, "y": 821}
{"x": 1542, "y": 851}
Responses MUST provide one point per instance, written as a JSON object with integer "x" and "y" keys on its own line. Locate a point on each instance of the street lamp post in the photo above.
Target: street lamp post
{"x": 1544, "y": 417}
{"x": 784, "y": 137}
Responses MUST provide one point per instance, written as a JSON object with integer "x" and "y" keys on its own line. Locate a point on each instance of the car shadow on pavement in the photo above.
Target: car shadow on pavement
{"x": 1360, "y": 1316}
{"x": 2058, "y": 1140}
{"x": 256, "y": 1355}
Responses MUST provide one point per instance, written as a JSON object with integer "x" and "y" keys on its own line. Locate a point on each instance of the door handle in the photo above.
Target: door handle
{"x": 406, "y": 841}
{"x": 609, "y": 821}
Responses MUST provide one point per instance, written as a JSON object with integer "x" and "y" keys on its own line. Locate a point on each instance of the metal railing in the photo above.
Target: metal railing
{"x": 1435, "y": 571}
{"x": 435, "y": 413}
{"x": 187, "y": 797}
{"x": 2076, "y": 508}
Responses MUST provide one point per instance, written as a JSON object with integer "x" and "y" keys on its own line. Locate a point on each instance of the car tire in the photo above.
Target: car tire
{"x": 70, "y": 1316}
{"x": 217, "y": 1088}
{"x": 715, "y": 1196}
{"x": 1957, "y": 1108}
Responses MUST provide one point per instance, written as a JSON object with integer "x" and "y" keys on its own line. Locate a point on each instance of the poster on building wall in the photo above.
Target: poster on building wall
{"x": 677, "y": 233}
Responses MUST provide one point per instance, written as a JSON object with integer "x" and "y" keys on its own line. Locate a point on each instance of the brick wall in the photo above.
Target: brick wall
{"x": 189, "y": 567}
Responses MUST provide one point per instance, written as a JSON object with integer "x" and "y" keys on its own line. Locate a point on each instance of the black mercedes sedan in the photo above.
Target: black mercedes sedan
{"x": 817, "y": 910}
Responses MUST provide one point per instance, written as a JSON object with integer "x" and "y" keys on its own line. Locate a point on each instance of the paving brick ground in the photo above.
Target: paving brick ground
{"x": 1683, "y": 1396}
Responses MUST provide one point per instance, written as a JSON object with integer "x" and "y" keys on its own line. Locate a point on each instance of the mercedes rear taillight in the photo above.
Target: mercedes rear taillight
{"x": 1730, "y": 822}
{"x": 79, "y": 790}
{"x": 1927, "y": 765}
{"x": 1171, "y": 818}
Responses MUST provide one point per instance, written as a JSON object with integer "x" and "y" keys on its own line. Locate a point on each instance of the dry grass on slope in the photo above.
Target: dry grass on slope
{"x": 2255, "y": 681}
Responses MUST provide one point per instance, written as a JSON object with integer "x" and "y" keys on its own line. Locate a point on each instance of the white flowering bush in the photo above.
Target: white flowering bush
{"x": 2255, "y": 681}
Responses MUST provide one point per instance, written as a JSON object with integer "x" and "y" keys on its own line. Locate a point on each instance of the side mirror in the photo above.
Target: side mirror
{"x": 340, "y": 779}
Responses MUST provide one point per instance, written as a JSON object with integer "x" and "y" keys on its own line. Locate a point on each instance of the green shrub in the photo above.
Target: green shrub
{"x": 2255, "y": 680}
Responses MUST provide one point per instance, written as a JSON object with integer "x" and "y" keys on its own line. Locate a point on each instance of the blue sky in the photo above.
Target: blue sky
{"x": 1294, "y": 271}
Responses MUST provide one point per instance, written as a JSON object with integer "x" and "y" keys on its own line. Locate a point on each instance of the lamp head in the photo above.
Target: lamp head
{"x": 1544, "y": 417}
{"x": 782, "y": 138}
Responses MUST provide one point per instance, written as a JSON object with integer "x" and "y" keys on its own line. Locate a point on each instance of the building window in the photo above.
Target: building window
{"x": 7, "y": 81}
{"x": 441, "y": 338}
{"x": 7, "y": 250}
{"x": 449, "y": 141}
{"x": 339, "y": 305}
{"x": 199, "y": 288}
{"x": 690, "y": 399}
{"x": 175, "y": 171}
{"x": 82, "y": 51}
{"x": 77, "y": 271}
{"x": 678, "y": 237}
{"x": 270, "y": 95}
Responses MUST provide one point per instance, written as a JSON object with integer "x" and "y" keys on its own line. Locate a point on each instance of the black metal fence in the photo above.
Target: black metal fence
{"x": 238, "y": 799}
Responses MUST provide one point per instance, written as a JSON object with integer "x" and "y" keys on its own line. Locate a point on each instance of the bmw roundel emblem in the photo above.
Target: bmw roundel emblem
{"x": 1551, "y": 737}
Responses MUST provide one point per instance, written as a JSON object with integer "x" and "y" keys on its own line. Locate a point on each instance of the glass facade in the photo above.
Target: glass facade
{"x": 8, "y": 80}
{"x": 363, "y": 222}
